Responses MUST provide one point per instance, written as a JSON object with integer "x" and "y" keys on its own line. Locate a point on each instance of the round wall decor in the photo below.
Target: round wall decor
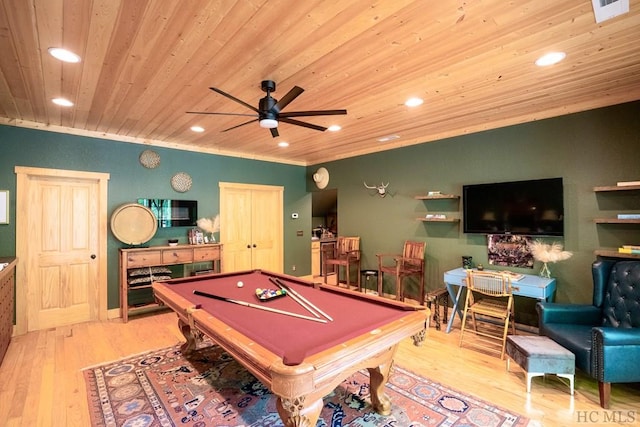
{"x": 321, "y": 178}
{"x": 181, "y": 182}
{"x": 133, "y": 224}
{"x": 149, "y": 159}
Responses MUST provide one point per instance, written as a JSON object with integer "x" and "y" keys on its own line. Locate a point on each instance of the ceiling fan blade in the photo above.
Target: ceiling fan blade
{"x": 313, "y": 113}
{"x": 285, "y": 100}
{"x": 220, "y": 114}
{"x": 233, "y": 98}
{"x": 274, "y": 132}
{"x": 241, "y": 124}
{"x": 303, "y": 124}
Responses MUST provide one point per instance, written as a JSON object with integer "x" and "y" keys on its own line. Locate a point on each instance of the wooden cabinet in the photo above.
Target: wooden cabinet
{"x": 7, "y": 290}
{"x": 149, "y": 261}
{"x": 451, "y": 197}
{"x": 315, "y": 258}
{"x": 634, "y": 191}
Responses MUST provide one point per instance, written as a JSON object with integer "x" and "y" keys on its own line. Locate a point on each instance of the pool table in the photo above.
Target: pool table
{"x": 298, "y": 359}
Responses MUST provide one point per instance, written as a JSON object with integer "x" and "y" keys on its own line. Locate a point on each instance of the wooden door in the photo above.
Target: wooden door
{"x": 235, "y": 227}
{"x": 267, "y": 229}
{"x": 61, "y": 241}
{"x": 251, "y": 227}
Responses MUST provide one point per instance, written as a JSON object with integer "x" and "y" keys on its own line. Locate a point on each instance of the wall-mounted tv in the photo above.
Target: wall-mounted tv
{"x": 173, "y": 213}
{"x": 532, "y": 207}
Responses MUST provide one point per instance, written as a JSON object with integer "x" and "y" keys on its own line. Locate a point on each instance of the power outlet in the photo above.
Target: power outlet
{"x": 293, "y": 268}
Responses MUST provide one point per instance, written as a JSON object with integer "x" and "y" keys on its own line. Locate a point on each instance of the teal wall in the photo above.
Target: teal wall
{"x": 130, "y": 181}
{"x": 593, "y": 148}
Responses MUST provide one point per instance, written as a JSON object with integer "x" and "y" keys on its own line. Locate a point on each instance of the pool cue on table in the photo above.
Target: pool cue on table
{"x": 259, "y": 307}
{"x": 293, "y": 292}
{"x": 293, "y": 296}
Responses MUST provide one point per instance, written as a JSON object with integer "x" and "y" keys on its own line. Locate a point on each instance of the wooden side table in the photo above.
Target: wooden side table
{"x": 433, "y": 300}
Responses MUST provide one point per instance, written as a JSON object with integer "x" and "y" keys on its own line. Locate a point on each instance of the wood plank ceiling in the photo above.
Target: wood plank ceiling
{"x": 145, "y": 63}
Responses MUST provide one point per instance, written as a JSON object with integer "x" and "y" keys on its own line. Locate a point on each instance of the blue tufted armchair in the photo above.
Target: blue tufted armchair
{"x": 604, "y": 336}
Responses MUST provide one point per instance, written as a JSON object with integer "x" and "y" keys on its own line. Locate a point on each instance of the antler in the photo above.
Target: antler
{"x": 370, "y": 188}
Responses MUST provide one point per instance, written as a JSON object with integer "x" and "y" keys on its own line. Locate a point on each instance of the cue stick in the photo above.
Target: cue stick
{"x": 259, "y": 307}
{"x": 296, "y": 298}
{"x": 294, "y": 292}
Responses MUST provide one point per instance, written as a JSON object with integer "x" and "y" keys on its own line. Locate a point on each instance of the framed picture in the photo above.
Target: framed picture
{"x": 509, "y": 250}
{"x": 4, "y": 206}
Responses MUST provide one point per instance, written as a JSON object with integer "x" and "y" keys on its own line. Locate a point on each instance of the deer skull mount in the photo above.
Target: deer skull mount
{"x": 381, "y": 189}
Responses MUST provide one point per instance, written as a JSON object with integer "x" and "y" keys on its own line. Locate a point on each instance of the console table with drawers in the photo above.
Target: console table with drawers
{"x": 139, "y": 267}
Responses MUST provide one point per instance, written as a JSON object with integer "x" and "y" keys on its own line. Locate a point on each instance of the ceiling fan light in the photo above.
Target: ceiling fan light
{"x": 268, "y": 123}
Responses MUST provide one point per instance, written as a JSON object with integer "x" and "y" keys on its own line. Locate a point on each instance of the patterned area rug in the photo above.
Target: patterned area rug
{"x": 209, "y": 388}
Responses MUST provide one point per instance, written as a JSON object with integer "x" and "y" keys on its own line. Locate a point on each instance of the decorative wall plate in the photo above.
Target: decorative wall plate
{"x": 149, "y": 159}
{"x": 321, "y": 178}
{"x": 133, "y": 224}
{"x": 181, "y": 182}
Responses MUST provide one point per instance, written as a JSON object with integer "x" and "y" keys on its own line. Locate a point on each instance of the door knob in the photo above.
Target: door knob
{"x": 248, "y": 246}
{"x": 93, "y": 256}
{"x": 254, "y": 245}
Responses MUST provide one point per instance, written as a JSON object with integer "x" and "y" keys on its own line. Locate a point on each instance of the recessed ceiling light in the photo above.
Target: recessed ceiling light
{"x": 197, "y": 129}
{"x": 413, "y": 102}
{"x": 63, "y": 54}
{"x": 388, "y": 138}
{"x": 550, "y": 59}
{"x": 283, "y": 144}
{"x": 334, "y": 128}
{"x": 62, "y": 102}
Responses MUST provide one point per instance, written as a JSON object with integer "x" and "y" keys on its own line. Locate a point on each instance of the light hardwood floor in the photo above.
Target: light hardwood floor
{"x": 41, "y": 382}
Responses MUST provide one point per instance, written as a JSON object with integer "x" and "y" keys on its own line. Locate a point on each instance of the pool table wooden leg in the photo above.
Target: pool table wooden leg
{"x": 378, "y": 378}
{"x": 297, "y": 413}
{"x": 188, "y": 333}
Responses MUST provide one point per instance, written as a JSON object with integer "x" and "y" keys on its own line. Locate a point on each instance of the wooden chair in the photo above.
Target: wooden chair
{"x": 344, "y": 253}
{"x": 489, "y": 295}
{"x": 408, "y": 264}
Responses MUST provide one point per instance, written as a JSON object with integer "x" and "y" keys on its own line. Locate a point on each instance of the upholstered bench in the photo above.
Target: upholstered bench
{"x": 539, "y": 355}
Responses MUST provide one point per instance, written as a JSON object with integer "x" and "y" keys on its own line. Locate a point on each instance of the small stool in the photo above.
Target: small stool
{"x": 438, "y": 297}
{"x": 367, "y": 276}
{"x": 540, "y": 355}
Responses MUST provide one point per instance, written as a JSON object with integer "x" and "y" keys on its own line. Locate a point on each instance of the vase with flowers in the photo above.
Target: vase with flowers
{"x": 210, "y": 225}
{"x": 546, "y": 253}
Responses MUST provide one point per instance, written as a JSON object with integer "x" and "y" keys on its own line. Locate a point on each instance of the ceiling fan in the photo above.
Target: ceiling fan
{"x": 269, "y": 111}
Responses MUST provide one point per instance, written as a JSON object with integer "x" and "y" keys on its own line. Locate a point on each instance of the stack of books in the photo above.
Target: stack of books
{"x": 512, "y": 275}
{"x": 629, "y": 249}
{"x": 629, "y": 216}
{"x": 628, "y": 183}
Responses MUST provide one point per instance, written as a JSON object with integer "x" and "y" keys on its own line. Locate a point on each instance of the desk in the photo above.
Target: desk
{"x": 299, "y": 360}
{"x": 530, "y": 286}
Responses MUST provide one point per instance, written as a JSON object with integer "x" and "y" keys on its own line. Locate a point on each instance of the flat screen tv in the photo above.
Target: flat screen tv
{"x": 173, "y": 213}
{"x": 532, "y": 207}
